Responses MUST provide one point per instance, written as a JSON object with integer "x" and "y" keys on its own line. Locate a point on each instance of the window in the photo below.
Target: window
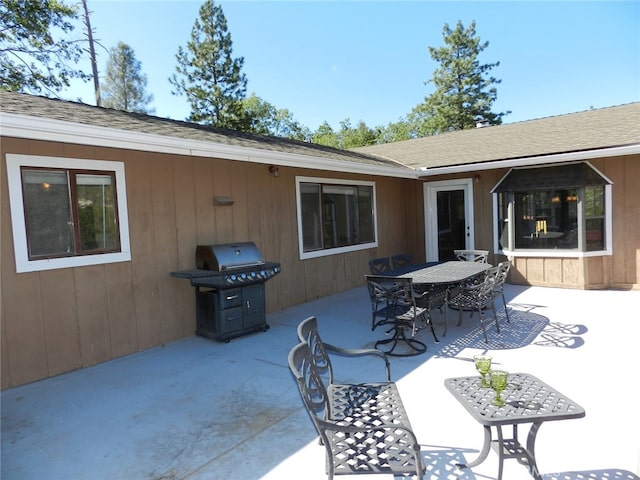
{"x": 335, "y": 216}
{"x": 559, "y": 209}
{"x": 67, "y": 212}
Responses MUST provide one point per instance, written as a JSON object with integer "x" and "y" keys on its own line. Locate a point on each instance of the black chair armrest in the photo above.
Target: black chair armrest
{"x": 358, "y": 352}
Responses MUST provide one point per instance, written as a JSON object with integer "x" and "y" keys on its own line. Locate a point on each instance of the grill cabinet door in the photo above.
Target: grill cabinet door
{"x": 253, "y": 305}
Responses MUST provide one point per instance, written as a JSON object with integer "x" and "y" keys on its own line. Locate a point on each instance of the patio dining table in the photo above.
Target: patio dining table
{"x": 446, "y": 273}
{"x": 438, "y": 279}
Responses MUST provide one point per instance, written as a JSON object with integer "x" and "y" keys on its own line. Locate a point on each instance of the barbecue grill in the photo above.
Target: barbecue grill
{"x": 230, "y": 295}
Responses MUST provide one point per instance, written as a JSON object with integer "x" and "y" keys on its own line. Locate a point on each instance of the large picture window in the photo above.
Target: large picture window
{"x": 67, "y": 212}
{"x": 560, "y": 209}
{"x": 335, "y": 216}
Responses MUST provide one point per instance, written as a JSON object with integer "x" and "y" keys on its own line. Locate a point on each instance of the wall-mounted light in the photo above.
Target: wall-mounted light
{"x": 274, "y": 171}
{"x": 476, "y": 178}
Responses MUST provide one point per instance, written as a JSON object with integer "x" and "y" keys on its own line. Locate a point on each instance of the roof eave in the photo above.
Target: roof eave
{"x": 533, "y": 160}
{"x": 41, "y": 128}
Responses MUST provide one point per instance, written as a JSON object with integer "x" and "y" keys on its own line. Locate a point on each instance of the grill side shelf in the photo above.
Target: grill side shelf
{"x": 193, "y": 273}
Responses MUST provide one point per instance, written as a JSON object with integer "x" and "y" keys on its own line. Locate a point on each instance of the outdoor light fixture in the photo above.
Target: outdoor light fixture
{"x": 274, "y": 171}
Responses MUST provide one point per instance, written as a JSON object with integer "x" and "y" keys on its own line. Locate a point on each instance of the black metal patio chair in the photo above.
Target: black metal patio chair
{"x": 396, "y": 300}
{"x": 401, "y": 261}
{"x": 380, "y": 266}
{"x": 472, "y": 255}
{"x": 501, "y": 277}
{"x": 477, "y": 298}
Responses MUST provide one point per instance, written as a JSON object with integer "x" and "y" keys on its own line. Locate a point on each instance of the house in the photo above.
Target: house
{"x": 83, "y": 285}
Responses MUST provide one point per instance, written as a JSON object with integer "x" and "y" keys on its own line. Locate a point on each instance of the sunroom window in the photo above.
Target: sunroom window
{"x": 334, "y": 216}
{"x": 558, "y": 208}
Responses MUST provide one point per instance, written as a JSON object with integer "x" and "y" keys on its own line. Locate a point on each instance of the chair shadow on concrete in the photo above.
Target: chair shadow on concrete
{"x": 442, "y": 461}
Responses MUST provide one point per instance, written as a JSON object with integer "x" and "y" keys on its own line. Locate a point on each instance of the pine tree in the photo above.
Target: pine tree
{"x": 207, "y": 74}
{"x": 463, "y": 92}
{"x": 124, "y": 87}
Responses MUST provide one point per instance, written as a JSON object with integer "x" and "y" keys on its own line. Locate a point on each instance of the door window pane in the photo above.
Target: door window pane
{"x": 451, "y": 223}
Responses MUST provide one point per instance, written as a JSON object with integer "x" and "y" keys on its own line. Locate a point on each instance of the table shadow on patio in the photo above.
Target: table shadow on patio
{"x": 525, "y": 328}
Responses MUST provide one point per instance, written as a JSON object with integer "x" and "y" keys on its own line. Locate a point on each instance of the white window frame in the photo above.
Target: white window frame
{"x": 337, "y": 250}
{"x": 15, "y": 162}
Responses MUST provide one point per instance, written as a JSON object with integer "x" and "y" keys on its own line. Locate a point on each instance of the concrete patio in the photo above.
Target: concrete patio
{"x": 197, "y": 409}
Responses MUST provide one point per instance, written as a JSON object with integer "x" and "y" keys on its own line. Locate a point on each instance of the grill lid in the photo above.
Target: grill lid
{"x": 228, "y": 256}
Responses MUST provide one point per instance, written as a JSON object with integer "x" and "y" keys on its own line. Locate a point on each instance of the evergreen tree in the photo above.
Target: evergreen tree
{"x": 464, "y": 92}
{"x": 124, "y": 87}
{"x": 207, "y": 74}
{"x": 31, "y": 57}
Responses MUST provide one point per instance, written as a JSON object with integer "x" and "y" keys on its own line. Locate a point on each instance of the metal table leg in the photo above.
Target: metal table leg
{"x": 509, "y": 448}
{"x": 483, "y": 453}
{"x": 531, "y": 454}
{"x": 500, "y": 451}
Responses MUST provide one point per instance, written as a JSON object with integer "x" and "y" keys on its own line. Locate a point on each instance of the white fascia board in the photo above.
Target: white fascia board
{"x": 39, "y": 128}
{"x": 528, "y": 161}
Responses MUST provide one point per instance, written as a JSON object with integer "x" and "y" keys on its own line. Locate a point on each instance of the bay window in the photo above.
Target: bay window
{"x": 563, "y": 208}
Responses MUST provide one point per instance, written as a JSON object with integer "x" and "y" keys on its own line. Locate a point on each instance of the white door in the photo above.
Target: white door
{"x": 448, "y": 207}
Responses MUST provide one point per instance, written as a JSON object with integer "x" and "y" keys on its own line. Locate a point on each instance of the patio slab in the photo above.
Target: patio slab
{"x": 198, "y": 409}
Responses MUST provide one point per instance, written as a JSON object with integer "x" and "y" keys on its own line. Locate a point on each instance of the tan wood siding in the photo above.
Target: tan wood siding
{"x": 60, "y": 320}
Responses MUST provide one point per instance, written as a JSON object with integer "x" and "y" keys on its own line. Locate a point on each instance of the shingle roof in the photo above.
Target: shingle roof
{"x": 575, "y": 132}
{"x": 589, "y": 130}
{"x": 24, "y": 104}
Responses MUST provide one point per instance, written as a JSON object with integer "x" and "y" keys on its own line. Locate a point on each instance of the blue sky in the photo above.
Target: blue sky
{"x": 369, "y": 60}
